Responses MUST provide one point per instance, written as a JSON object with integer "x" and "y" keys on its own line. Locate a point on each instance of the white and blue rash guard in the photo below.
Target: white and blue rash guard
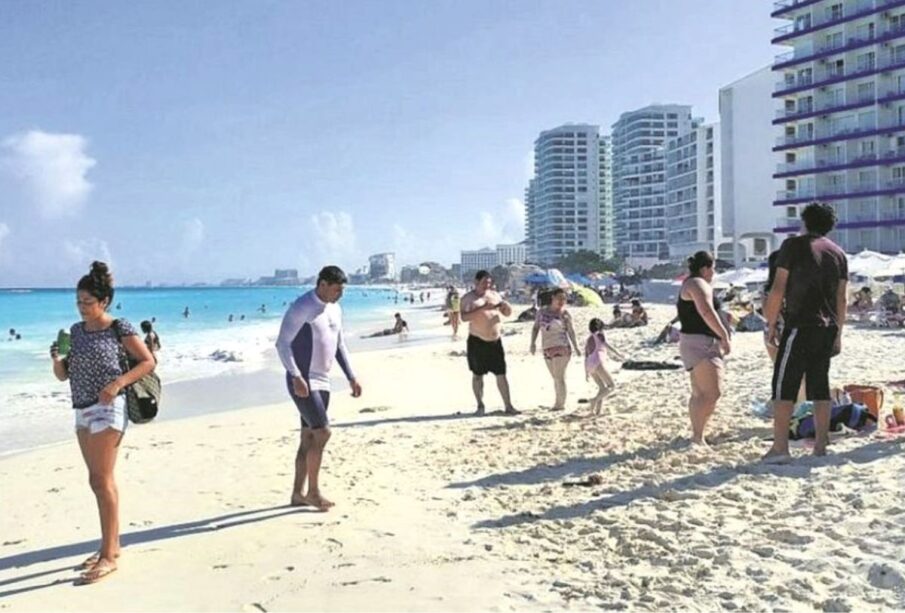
{"x": 310, "y": 338}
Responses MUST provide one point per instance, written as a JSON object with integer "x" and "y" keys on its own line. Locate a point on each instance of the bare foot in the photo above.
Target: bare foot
{"x": 318, "y": 502}
{"x": 512, "y": 411}
{"x": 298, "y": 500}
{"x": 820, "y": 450}
{"x": 700, "y": 443}
{"x": 480, "y": 412}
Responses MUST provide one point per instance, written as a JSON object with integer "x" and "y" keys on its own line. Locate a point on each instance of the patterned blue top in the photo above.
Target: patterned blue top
{"x": 95, "y": 361}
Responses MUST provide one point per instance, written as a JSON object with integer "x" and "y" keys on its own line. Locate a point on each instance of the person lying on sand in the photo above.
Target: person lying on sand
{"x": 400, "y": 327}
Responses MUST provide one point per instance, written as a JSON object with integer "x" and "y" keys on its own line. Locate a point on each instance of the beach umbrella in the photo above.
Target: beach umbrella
{"x": 579, "y": 278}
{"x": 588, "y": 297}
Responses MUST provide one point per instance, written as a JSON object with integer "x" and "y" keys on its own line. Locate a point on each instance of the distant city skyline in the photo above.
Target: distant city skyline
{"x": 194, "y": 142}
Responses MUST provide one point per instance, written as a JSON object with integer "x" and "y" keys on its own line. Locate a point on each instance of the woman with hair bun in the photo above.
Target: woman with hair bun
{"x": 703, "y": 343}
{"x": 98, "y": 379}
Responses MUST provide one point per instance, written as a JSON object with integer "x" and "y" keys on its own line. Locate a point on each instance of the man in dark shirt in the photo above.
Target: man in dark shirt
{"x": 812, "y": 280}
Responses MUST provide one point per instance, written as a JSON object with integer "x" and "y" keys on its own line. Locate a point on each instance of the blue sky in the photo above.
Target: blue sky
{"x": 193, "y": 141}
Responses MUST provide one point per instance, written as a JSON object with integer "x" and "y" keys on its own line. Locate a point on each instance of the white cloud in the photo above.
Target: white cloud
{"x": 505, "y": 224}
{"x": 192, "y": 234}
{"x": 81, "y": 253}
{"x": 334, "y": 238}
{"x": 51, "y": 168}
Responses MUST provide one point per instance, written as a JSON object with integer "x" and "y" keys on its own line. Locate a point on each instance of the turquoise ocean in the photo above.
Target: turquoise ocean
{"x": 32, "y": 400}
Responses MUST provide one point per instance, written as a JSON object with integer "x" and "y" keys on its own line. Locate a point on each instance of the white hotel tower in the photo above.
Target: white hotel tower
{"x": 639, "y": 179}
{"x": 842, "y": 118}
{"x": 562, "y": 203}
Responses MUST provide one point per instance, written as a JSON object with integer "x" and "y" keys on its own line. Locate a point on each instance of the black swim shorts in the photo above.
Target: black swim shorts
{"x": 313, "y": 409}
{"x": 486, "y": 356}
{"x": 804, "y": 352}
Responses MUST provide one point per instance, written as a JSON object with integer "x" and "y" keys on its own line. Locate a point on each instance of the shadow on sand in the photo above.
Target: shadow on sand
{"x": 162, "y": 533}
{"x": 799, "y": 469}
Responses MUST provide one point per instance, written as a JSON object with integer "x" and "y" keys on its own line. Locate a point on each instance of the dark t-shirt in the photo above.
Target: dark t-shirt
{"x": 816, "y": 266}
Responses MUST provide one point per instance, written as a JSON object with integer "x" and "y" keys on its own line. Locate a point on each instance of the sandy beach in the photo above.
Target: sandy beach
{"x": 438, "y": 510}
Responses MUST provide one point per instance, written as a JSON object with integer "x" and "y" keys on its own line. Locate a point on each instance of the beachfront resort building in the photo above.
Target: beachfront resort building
{"x": 478, "y": 259}
{"x": 639, "y": 179}
{"x": 841, "y": 121}
{"x": 516, "y": 253}
{"x": 562, "y": 203}
{"x": 382, "y": 267}
{"x": 605, "y": 185}
{"x": 747, "y": 165}
{"x": 693, "y": 217}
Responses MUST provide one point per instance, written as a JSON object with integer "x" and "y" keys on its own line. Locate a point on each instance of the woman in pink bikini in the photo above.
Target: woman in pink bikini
{"x": 595, "y": 352}
{"x": 557, "y": 339}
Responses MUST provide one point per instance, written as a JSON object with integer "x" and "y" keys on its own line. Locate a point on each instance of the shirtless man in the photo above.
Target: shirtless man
{"x": 481, "y": 309}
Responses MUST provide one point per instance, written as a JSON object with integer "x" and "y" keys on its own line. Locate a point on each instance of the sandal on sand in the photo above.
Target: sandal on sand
{"x": 100, "y": 571}
{"x": 776, "y": 459}
{"x": 89, "y": 562}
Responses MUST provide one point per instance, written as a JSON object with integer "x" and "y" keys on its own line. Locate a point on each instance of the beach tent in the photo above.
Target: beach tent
{"x": 588, "y": 297}
{"x": 867, "y": 263}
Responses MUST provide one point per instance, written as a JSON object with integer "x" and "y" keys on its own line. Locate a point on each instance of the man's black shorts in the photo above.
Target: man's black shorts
{"x": 804, "y": 352}
{"x": 313, "y": 408}
{"x": 485, "y": 356}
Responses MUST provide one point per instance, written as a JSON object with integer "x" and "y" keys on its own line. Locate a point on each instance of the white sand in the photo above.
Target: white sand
{"x": 436, "y": 511}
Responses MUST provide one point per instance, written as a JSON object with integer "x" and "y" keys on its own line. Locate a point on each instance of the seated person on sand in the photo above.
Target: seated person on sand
{"x": 890, "y": 301}
{"x": 864, "y": 301}
{"x": 400, "y": 327}
{"x": 670, "y": 333}
{"x": 639, "y": 315}
{"x": 752, "y": 321}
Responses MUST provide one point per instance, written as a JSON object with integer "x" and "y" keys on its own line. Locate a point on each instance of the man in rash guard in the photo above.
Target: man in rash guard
{"x": 309, "y": 341}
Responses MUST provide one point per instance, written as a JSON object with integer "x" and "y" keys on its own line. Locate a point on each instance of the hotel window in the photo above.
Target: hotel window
{"x": 834, "y": 11}
{"x": 832, "y": 41}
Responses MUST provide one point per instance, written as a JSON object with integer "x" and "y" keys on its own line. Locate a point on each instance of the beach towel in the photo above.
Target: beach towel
{"x": 649, "y": 365}
{"x": 852, "y": 416}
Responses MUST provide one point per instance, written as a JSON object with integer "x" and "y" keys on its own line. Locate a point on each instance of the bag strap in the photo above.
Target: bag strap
{"x": 124, "y": 354}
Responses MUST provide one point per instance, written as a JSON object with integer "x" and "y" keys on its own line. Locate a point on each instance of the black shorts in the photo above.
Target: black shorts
{"x": 485, "y": 356}
{"x": 804, "y": 352}
{"x": 313, "y": 409}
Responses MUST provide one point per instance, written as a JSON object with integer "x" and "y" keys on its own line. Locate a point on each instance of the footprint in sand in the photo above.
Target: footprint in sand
{"x": 790, "y": 537}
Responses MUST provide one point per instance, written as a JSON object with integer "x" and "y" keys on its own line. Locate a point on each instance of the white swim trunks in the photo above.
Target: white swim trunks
{"x": 97, "y": 417}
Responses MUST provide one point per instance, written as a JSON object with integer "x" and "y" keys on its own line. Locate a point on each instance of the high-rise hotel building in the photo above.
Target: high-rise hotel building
{"x": 693, "y": 213}
{"x": 563, "y": 201}
{"x": 639, "y": 179}
{"x": 842, "y": 117}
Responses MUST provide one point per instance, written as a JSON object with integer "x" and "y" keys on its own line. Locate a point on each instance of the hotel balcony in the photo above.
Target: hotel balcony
{"x": 826, "y": 107}
{"x": 792, "y": 58}
{"x": 862, "y": 9}
{"x": 843, "y": 133}
{"x": 840, "y": 192}
{"x": 794, "y": 85}
{"x": 833, "y": 163}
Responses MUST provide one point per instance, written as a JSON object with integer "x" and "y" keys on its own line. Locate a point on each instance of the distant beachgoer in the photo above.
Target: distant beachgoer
{"x": 18, "y": 336}
{"x": 186, "y": 313}
{"x": 12, "y": 331}
{"x": 153, "y": 320}
{"x": 230, "y": 318}
{"x": 554, "y": 323}
{"x": 152, "y": 340}
{"x": 421, "y": 297}
{"x": 482, "y": 308}
{"x": 428, "y": 296}
{"x": 97, "y": 381}
{"x": 242, "y": 317}
{"x": 670, "y": 332}
{"x": 617, "y": 315}
{"x": 704, "y": 342}
{"x": 310, "y": 340}
{"x": 890, "y": 301}
{"x": 595, "y": 351}
{"x": 453, "y": 311}
{"x": 119, "y": 306}
{"x": 811, "y": 291}
{"x": 639, "y": 314}
{"x": 262, "y": 308}
{"x": 399, "y": 327}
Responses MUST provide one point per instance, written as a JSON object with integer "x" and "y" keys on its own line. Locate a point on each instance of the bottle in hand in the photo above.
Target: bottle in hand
{"x": 63, "y": 343}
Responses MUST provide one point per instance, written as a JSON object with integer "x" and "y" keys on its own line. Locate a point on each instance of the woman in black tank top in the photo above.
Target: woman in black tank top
{"x": 703, "y": 343}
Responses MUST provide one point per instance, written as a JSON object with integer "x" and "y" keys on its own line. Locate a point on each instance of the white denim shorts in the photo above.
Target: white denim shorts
{"x": 97, "y": 417}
